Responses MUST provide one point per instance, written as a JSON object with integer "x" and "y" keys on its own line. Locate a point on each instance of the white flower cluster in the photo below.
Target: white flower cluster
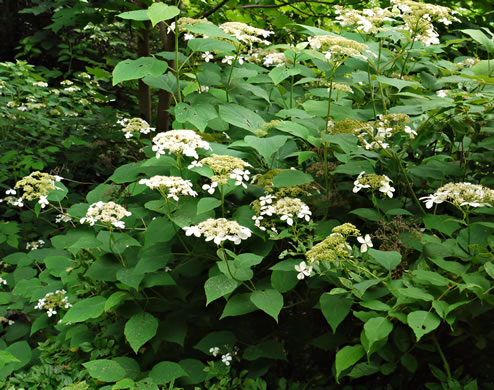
{"x": 366, "y": 243}
{"x": 52, "y": 301}
{"x": 109, "y": 213}
{"x": 135, "y": 125}
{"x": 31, "y": 246}
{"x": 460, "y": 195}
{"x": 226, "y": 358}
{"x": 245, "y": 33}
{"x": 215, "y": 351}
{"x": 170, "y": 186}
{"x": 374, "y": 182}
{"x": 40, "y": 84}
{"x": 36, "y": 185}
{"x": 179, "y": 142}
{"x": 285, "y": 208}
{"x": 63, "y": 218}
{"x": 219, "y": 230}
{"x": 367, "y": 20}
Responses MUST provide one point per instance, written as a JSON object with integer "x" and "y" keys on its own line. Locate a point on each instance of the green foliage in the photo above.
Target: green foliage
{"x": 315, "y": 220}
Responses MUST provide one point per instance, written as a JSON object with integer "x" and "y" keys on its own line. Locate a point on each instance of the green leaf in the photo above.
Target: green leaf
{"x": 115, "y": 299}
{"x": 84, "y": 310}
{"x": 105, "y": 370}
{"x": 397, "y": 83}
{"x": 416, "y": 293}
{"x": 376, "y": 329}
{"x": 451, "y": 266}
{"x": 280, "y": 73}
{"x": 365, "y": 213}
{"x": 422, "y": 322}
{"x": 209, "y": 30}
{"x": 159, "y": 12}
{"x": 429, "y": 277}
{"x": 409, "y": 362}
{"x": 218, "y": 339}
{"x": 238, "y": 305}
{"x": 219, "y": 286}
{"x": 389, "y": 260}
{"x": 291, "y": 177}
{"x": 266, "y": 147}
{"x": 347, "y": 357}
{"x": 481, "y": 38}
{"x": 58, "y": 265}
{"x": 269, "y": 301}
{"x": 335, "y": 308}
{"x": 140, "y": 15}
{"x": 209, "y": 44}
{"x": 241, "y": 117}
{"x": 294, "y": 128}
{"x": 489, "y": 268}
{"x": 269, "y": 349}
{"x": 139, "y": 329}
{"x": 442, "y": 223}
{"x": 137, "y": 69}
{"x": 206, "y": 204}
{"x": 165, "y": 372}
{"x": 6, "y": 357}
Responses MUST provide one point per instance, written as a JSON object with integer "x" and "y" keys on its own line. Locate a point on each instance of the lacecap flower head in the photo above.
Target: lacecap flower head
{"x": 182, "y": 142}
{"x": 108, "y": 213}
{"x": 219, "y": 230}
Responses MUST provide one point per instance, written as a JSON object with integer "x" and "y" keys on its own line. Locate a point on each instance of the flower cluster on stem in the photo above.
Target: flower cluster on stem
{"x": 219, "y": 230}
{"x": 108, "y": 213}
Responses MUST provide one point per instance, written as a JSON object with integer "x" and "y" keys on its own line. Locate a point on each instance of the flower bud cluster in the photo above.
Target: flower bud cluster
{"x": 367, "y": 20}
{"x": 108, "y": 213}
{"x": 35, "y": 186}
{"x": 135, "y": 125}
{"x": 53, "y": 301}
{"x": 170, "y": 186}
{"x": 180, "y": 142}
{"x": 374, "y": 182}
{"x": 245, "y": 33}
{"x": 460, "y": 195}
{"x": 219, "y": 230}
{"x": 336, "y": 48}
{"x": 33, "y": 245}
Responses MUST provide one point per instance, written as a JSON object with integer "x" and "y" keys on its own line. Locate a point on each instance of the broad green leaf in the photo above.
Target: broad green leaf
{"x": 280, "y": 73}
{"x": 451, "y": 266}
{"x": 139, "y": 329}
{"x": 269, "y": 349}
{"x": 481, "y": 38}
{"x": 335, "y": 308}
{"x": 115, "y": 299}
{"x": 238, "y": 305}
{"x": 207, "y": 204}
{"x": 376, "y": 329}
{"x": 6, "y": 357}
{"x": 219, "y": 286}
{"x": 105, "y": 370}
{"x": 415, "y": 293}
{"x": 266, "y": 147}
{"x": 397, "y": 83}
{"x": 347, "y": 357}
{"x": 195, "y": 371}
{"x": 137, "y": 69}
{"x": 165, "y": 372}
{"x": 365, "y": 213}
{"x": 291, "y": 177}
{"x": 209, "y": 30}
{"x": 209, "y": 44}
{"x": 389, "y": 260}
{"x": 58, "y": 265}
{"x": 347, "y": 142}
{"x": 140, "y": 15}
{"x": 409, "y": 362}
{"x": 241, "y": 117}
{"x": 220, "y": 339}
{"x": 429, "y": 277}
{"x": 489, "y": 268}
{"x": 130, "y": 277}
{"x": 159, "y": 12}
{"x": 294, "y": 128}
{"x": 364, "y": 369}
{"x": 84, "y": 310}
{"x": 375, "y": 305}
{"x": 442, "y": 223}
{"x": 422, "y": 322}
{"x": 234, "y": 268}
{"x": 269, "y": 301}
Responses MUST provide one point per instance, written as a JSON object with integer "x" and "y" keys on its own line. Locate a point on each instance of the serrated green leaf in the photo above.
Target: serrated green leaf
{"x": 388, "y": 260}
{"x": 291, "y": 178}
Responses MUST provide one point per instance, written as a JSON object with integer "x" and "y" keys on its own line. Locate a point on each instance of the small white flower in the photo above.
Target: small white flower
{"x": 288, "y": 218}
{"x": 366, "y": 243}
{"x": 442, "y": 93}
{"x": 226, "y": 359}
{"x": 18, "y": 203}
{"x": 43, "y": 201}
{"x": 194, "y": 164}
{"x": 228, "y": 60}
{"x": 3, "y": 281}
{"x": 188, "y": 37}
{"x": 215, "y": 351}
{"x": 210, "y": 188}
{"x": 303, "y": 270}
{"x": 10, "y": 191}
{"x": 207, "y": 56}
{"x": 51, "y": 312}
{"x": 192, "y": 230}
{"x": 386, "y": 188}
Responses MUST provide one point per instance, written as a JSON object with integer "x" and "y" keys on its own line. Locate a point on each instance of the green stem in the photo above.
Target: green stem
{"x": 224, "y": 258}
{"x": 173, "y": 224}
{"x": 230, "y": 76}
{"x": 443, "y": 358}
{"x": 177, "y": 64}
